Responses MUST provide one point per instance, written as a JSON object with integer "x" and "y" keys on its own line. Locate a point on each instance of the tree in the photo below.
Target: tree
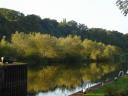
{"x": 70, "y": 47}
{"x": 123, "y": 6}
{"x": 10, "y": 15}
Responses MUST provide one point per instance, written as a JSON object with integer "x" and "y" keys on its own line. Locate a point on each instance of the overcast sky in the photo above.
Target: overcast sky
{"x": 93, "y": 13}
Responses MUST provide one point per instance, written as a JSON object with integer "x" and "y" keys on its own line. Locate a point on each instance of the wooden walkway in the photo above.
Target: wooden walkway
{"x": 80, "y": 93}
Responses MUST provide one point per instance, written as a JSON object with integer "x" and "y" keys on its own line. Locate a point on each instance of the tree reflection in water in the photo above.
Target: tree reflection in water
{"x": 64, "y": 77}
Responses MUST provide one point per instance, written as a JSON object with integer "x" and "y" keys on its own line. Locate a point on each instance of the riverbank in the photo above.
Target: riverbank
{"x": 117, "y": 87}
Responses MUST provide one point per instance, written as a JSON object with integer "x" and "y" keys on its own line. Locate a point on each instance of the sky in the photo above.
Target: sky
{"x": 93, "y": 13}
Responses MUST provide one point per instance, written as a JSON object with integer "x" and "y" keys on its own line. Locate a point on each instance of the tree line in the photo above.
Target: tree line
{"x": 37, "y": 47}
{"x": 12, "y": 21}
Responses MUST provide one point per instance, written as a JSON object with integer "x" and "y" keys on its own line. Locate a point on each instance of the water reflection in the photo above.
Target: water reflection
{"x": 59, "y": 92}
{"x": 60, "y": 80}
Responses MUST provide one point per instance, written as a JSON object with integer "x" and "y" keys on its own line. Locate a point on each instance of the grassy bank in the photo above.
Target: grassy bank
{"x": 118, "y": 87}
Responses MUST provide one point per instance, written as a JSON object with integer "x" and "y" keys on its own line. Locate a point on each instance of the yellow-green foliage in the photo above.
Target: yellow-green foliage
{"x": 71, "y": 46}
{"x": 50, "y": 47}
{"x": 34, "y": 44}
{"x": 5, "y": 48}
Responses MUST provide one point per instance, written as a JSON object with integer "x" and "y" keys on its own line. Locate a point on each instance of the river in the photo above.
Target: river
{"x": 65, "y": 79}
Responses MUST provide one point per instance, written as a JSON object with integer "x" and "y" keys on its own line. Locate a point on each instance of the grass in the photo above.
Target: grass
{"x": 115, "y": 87}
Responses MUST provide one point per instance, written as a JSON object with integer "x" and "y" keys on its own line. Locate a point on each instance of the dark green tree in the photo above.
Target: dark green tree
{"x": 123, "y": 6}
{"x": 10, "y": 15}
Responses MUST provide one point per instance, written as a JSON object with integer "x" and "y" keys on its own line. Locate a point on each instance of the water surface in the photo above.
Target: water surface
{"x": 65, "y": 79}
